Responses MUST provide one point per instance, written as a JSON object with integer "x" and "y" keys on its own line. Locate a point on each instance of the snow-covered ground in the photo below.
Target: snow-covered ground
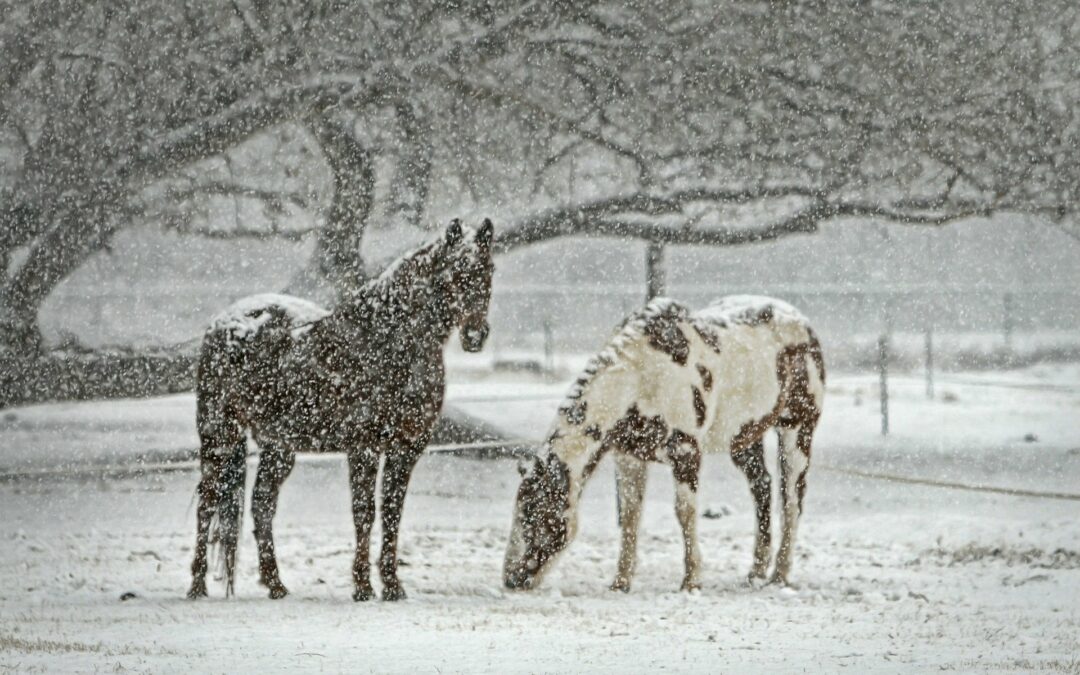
{"x": 889, "y": 576}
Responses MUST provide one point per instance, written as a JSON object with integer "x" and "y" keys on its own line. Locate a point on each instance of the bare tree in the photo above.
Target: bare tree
{"x": 679, "y": 122}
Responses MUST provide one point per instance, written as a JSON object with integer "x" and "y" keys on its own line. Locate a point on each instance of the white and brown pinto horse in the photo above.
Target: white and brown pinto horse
{"x": 673, "y": 384}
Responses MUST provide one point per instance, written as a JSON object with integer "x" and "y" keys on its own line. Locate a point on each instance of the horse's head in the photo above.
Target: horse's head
{"x": 471, "y": 271}
{"x": 543, "y": 523}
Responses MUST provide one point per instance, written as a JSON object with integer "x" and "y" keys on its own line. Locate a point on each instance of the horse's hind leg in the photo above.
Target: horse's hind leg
{"x": 631, "y": 473}
{"x": 275, "y": 464}
{"x": 794, "y": 462}
{"x": 363, "y": 469}
{"x": 202, "y": 533}
{"x": 397, "y": 470}
{"x": 221, "y": 438}
{"x": 751, "y": 460}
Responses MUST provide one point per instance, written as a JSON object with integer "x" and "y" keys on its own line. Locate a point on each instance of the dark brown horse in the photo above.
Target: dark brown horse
{"x": 366, "y": 379}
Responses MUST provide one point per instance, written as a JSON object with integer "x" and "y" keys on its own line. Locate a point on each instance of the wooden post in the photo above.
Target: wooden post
{"x": 883, "y": 371}
{"x": 929, "y": 362}
{"x": 549, "y": 346}
{"x": 654, "y": 270}
{"x": 654, "y": 287}
{"x": 1007, "y": 322}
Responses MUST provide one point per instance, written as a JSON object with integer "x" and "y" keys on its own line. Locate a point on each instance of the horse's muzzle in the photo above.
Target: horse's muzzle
{"x": 474, "y": 337}
{"x": 518, "y": 580}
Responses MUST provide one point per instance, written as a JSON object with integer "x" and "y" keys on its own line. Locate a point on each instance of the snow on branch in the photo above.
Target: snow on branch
{"x": 682, "y": 217}
{"x": 275, "y": 200}
{"x": 215, "y": 134}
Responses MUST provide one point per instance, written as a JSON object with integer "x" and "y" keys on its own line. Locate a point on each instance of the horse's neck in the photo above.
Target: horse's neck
{"x": 403, "y": 305}
{"x": 579, "y": 443}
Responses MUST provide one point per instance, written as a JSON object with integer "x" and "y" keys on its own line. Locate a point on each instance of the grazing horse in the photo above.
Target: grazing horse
{"x": 669, "y": 386}
{"x": 366, "y": 379}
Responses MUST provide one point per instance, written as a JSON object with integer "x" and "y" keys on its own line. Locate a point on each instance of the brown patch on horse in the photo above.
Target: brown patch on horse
{"x": 708, "y": 335}
{"x": 815, "y": 353}
{"x": 794, "y": 395}
{"x": 544, "y": 497}
{"x": 802, "y": 411}
{"x": 803, "y": 443}
{"x": 637, "y": 435}
{"x": 594, "y": 460}
{"x": 663, "y": 333}
{"x": 644, "y": 438}
{"x": 706, "y": 377}
{"x": 684, "y": 454}
{"x": 699, "y": 407}
{"x": 757, "y": 316}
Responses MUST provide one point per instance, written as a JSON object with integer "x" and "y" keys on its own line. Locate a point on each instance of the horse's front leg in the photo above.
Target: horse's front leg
{"x": 397, "y": 470}
{"x": 630, "y": 473}
{"x": 363, "y": 469}
{"x": 685, "y": 458}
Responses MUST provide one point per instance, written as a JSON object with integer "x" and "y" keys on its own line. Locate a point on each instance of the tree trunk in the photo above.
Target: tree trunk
{"x": 336, "y": 266}
{"x": 80, "y": 231}
{"x": 412, "y": 176}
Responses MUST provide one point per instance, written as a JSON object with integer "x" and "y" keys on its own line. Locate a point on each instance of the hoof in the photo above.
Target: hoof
{"x": 755, "y": 579}
{"x": 393, "y": 593}
{"x": 363, "y": 594}
{"x": 278, "y": 592}
{"x": 197, "y": 591}
{"x": 690, "y": 586}
{"x": 620, "y": 586}
{"x": 779, "y": 580}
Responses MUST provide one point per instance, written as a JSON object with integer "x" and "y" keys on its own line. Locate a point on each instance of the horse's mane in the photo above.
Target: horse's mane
{"x": 395, "y": 283}
{"x": 630, "y": 331}
{"x": 393, "y": 279}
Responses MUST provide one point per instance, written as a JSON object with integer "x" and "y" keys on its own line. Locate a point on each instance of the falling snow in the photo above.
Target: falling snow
{"x": 904, "y": 173}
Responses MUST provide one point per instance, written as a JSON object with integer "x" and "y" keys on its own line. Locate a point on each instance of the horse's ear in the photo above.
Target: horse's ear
{"x": 453, "y": 232}
{"x": 486, "y": 234}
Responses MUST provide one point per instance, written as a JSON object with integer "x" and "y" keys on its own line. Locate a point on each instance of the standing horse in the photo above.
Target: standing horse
{"x": 671, "y": 385}
{"x": 366, "y": 379}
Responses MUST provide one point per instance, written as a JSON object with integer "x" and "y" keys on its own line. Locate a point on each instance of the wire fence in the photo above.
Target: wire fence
{"x": 521, "y": 447}
{"x": 575, "y": 317}
{"x": 966, "y": 326}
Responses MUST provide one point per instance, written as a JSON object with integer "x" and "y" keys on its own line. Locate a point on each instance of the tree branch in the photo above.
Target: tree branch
{"x": 276, "y": 200}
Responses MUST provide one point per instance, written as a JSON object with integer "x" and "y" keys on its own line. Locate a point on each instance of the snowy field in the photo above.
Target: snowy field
{"x": 889, "y": 576}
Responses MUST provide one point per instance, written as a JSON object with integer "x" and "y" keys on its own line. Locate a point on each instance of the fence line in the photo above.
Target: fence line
{"x": 505, "y": 448}
{"x": 909, "y": 480}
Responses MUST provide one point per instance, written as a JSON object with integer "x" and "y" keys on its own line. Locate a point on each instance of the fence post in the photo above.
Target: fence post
{"x": 654, "y": 270}
{"x": 1007, "y": 322}
{"x": 549, "y": 346}
{"x": 883, "y": 371}
{"x": 929, "y": 362}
